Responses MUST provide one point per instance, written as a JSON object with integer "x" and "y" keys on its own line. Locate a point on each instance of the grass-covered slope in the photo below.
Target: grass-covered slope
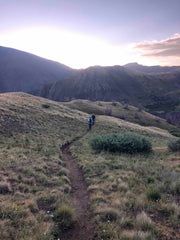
{"x": 131, "y": 196}
{"x": 33, "y": 175}
{"x": 122, "y": 111}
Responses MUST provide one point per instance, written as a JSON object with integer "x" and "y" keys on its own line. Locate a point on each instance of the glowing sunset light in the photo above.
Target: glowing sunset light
{"x": 86, "y": 33}
{"x": 72, "y": 49}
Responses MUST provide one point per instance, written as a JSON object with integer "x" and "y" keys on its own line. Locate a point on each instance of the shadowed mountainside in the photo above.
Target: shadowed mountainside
{"x": 156, "y": 92}
{"x": 96, "y": 83}
{"x": 21, "y": 71}
{"x": 156, "y": 88}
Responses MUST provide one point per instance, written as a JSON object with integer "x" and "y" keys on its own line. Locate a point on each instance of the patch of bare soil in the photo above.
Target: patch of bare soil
{"x": 83, "y": 228}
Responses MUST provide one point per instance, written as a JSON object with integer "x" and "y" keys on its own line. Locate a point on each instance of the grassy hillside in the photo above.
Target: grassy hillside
{"x": 122, "y": 111}
{"x": 133, "y": 196}
{"x": 34, "y": 178}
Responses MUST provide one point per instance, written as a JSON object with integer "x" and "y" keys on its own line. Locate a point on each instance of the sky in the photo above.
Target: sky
{"x": 81, "y": 33}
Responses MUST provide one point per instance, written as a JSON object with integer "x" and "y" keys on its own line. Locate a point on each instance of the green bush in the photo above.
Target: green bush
{"x": 109, "y": 215}
{"x": 153, "y": 194}
{"x": 122, "y": 143}
{"x": 175, "y": 132}
{"x": 45, "y": 202}
{"x": 174, "y": 145}
{"x": 3, "y": 188}
{"x": 64, "y": 217}
{"x": 150, "y": 179}
{"x": 45, "y": 105}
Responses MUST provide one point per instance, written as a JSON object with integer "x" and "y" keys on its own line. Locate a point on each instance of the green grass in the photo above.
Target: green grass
{"x": 31, "y": 163}
{"x": 35, "y": 180}
{"x": 120, "y": 182}
{"x": 122, "y": 111}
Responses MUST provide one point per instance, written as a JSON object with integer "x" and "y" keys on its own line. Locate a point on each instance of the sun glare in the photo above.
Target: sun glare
{"x": 72, "y": 49}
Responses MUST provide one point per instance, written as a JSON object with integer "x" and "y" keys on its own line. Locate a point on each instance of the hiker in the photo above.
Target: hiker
{"x": 89, "y": 122}
{"x": 93, "y": 119}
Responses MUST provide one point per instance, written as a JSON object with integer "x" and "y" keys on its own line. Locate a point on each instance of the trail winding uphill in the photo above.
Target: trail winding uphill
{"x": 83, "y": 228}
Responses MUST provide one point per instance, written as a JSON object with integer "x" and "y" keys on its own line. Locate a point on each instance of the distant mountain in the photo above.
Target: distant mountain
{"x": 150, "y": 69}
{"x": 96, "y": 83}
{"x": 156, "y": 88}
{"x": 21, "y": 71}
{"x": 157, "y": 92}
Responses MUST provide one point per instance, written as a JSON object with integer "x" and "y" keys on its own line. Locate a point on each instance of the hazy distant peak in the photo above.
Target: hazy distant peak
{"x": 150, "y": 69}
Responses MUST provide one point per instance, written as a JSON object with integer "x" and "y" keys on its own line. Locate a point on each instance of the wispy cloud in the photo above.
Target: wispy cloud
{"x": 165, "y": 48}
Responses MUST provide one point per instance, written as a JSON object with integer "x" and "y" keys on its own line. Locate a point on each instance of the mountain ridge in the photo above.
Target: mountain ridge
{"x": 156, "y": 92}
{"x": 151, "y": 69}
{"x": 156, "y": 88}
{"x": 22, "y": 71}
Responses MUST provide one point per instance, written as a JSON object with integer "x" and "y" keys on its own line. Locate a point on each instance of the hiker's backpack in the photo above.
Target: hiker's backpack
{"x": 89, "y": 120}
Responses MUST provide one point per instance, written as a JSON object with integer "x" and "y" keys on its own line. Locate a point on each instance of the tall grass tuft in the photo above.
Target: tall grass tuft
{"x": 153, "y": 194}
{"x": 143, "y": 222}
{"x": 64, "y": 217}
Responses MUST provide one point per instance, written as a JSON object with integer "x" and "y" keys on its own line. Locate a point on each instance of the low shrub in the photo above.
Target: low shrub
{"x": 45, "y": 202}
{"x": 175, "y": 132}
{"x": 64, "y": 217}
{"x": 122, "y": 143}
{"x": 150, "y": 179}
{"x": 109, "y": 215}
{"x": 63, "y": 172}
{"x": 174, "y": 145}
{"x": 3, "y": 188}
{"x": 153, "y": 194}
{"x": 45, "y": 105}
{"x": 32, "y": 205}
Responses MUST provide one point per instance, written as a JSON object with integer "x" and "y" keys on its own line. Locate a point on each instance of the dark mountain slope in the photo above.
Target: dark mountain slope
{"x": 150, "y": 69}
{"x": 21, "y": 71}
{"x": 156, "y": 92}
{"x": 96, "y": 83}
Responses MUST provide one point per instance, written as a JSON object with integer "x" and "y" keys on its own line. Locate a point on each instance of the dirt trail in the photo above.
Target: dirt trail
{"x": 83, "y": 228}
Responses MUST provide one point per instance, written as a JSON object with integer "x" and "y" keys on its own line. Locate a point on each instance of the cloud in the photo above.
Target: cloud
{"x": 165, "y": 48}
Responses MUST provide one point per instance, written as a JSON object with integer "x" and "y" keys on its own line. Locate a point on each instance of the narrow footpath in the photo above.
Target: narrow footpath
{"x": 83, "y": 228}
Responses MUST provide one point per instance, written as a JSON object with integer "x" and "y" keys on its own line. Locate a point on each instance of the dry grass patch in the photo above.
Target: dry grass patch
{"x": 143, "y": 222}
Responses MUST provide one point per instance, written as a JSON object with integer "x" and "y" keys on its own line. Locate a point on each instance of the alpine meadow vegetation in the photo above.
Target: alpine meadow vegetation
{"x": 133, "y": 194}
